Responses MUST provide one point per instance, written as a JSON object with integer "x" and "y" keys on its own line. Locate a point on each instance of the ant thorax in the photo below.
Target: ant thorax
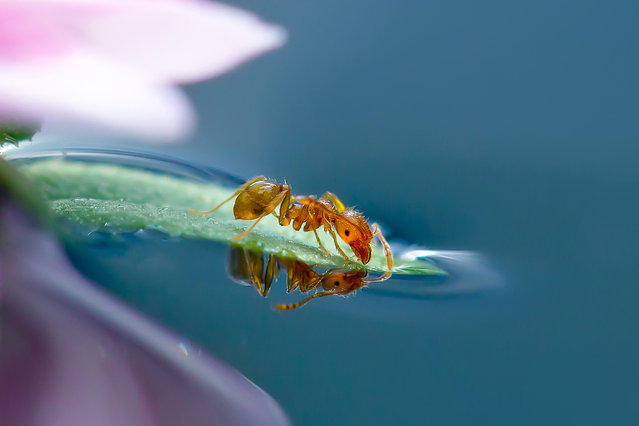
{"x": 308, "y": 214}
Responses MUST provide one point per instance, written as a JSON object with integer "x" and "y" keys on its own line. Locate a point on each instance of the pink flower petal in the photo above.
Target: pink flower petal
{"x": 72, "y": 355}
{"x": 25, "y": 35}
{"x": 179, "y": 40}
{"x": 108, "y": 63}
{"x": 173, "y": 40}
{"x": 81, "y": 89}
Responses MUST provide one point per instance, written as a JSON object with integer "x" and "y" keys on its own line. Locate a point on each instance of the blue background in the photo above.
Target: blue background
{"x": 504, "y": 127}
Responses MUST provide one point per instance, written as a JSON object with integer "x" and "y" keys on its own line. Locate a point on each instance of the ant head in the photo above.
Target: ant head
{"x": 354, "y": 230}
{"x": 344, "y": 281}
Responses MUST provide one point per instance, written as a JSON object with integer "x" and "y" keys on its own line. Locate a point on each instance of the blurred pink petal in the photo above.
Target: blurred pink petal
{"x": 28, "y": 35}
{"x": 110, "y": 63}
{"x": 72, "y": 355}
{"x": 116, "y": 97}
{"x": 205, "y": 39}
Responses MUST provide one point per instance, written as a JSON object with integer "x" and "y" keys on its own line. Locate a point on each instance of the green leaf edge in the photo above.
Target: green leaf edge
{"x": 14, "y": 134}
{"x": 120, "y": 198}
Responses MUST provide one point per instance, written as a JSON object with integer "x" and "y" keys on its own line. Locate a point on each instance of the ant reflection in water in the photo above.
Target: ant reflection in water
{"x": 247, "y": 267}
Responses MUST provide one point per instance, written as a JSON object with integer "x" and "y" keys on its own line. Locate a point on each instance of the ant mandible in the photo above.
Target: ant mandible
{"x": 260, "y": 197}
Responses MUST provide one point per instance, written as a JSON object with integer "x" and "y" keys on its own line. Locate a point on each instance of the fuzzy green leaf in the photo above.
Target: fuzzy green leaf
{"x": 107, "y": 196}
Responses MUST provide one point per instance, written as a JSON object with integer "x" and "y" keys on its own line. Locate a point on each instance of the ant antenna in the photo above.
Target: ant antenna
{"x": 286, "y": 307}
{"x": 235, "y": 194}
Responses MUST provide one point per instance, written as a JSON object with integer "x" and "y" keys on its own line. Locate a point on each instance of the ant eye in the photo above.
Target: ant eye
{"x": 347, "y": 232}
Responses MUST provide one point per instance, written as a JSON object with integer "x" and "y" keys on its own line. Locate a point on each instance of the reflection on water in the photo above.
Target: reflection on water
{"x": 259, "y": 270}
{"x": 400, "y": 323}
{"x": 468, "y": 272}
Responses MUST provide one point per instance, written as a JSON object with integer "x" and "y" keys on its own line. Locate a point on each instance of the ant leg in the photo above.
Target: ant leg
{"x": 235, "y": 194}
{"x": 285, "y": 206}
{"x": 254, "y": 265}
{"x": 257, "y": 280}
{"x": 267, "y": 211}
{"x": 339, "y": 206}
{"x": 339, "y": 249}
{"x": 286, "y": 307}
{"x": 309, "y": 221}
{"x": 383, "y": 277}
{"x": 328, "y": 253}
{"x": 270, "y": 274}
{"x": 387, "y": 249}
{"x": 291, "y": 282}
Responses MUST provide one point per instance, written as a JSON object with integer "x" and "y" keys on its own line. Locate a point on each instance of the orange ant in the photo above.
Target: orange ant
{"x": 247, "y": 267}
{"x": 259, "y": 197}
